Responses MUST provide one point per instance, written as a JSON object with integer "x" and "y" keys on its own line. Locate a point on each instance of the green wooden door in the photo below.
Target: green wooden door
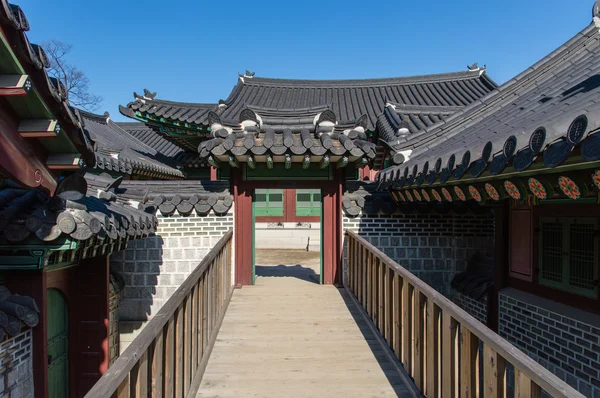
{"x": 58, "y": 344}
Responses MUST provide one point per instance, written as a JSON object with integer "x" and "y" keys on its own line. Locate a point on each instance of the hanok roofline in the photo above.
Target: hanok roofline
{"x": 343, "y": 109}
{"x": 547, "y": 113}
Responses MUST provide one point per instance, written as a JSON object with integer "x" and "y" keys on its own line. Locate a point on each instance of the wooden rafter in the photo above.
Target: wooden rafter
{"x": 39, "y": 128}
{"x": 14, "y": 85}
{"x": 64, "y": 161}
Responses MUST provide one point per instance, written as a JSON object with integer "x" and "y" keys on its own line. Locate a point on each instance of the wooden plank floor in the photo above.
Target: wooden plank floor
{"x": 290, "y": 337}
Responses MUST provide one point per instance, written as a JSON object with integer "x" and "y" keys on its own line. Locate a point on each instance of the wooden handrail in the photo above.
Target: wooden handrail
{"x": 437, "y": 342}
{"x": 170, "y": 354}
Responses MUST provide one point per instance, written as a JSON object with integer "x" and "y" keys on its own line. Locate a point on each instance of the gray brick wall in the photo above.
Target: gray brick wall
{"x": 568, "y": 346}
{"x": 476, "y": 308}
{"x": 16, "y": 375}
{"x": 434, "y": 246}
{"x": 155, "y": 267}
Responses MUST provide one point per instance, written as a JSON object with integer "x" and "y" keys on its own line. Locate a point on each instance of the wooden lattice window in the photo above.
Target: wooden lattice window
{"x": 268, "y": 202}
{"x": 308, "y": 202}
{"x": 568, "y": 257}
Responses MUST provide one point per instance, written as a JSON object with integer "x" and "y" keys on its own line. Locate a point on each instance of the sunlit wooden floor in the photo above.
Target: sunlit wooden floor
{"x": 290, "y": 337}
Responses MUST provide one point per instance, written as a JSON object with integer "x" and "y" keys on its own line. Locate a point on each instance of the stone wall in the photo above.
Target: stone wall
{"x": 476, "y": 308}
{"x": 155, "y": 267}
{"x": 432, "y": 246}
{"x": 563, "y": 339}
{"x": 16, "y": 375}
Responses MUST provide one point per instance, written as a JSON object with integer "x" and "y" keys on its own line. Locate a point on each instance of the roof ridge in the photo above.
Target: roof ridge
{"x": 499, "y": 95}
{"x": 94, "y": 116}
{"x": 462, "y": 75}
{"x": 211, "y": 106}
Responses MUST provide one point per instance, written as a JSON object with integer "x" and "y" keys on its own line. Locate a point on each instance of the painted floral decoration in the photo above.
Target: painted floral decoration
{"x": 537, "y": 188}
{"x": 568, "y": 187}
{"x": 436, "y": 195}
{"x": 446, "y": 194}
{"x": 408, "y": 196}
{"x": 475, "y": 193}
{"x": 596, "y": 178}
{"x": 512, "y": 190}
{"x": 425, "y": 195}
{"x": 491, "y": 191}
{"x": 460, "y": 194}
{"x": 401, "y": 196}
{"x": 417, "y": 195}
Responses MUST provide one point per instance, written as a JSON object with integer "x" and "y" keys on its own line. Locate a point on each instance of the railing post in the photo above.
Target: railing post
{"x": 432, "y": 349}
{"x": 179, "y": 371}
{"x": 494, "y": 373}
{"x": 156, "y": 368}
{"x": 389, "y": 307}
{"x": 418, "y": 332}
{"x": 449, "y": 356}
{"x": 469, "y": 363}
{"x": 380, "y": 295}
{"x": 407, "y": 328}
{"x": 397, "y": 312}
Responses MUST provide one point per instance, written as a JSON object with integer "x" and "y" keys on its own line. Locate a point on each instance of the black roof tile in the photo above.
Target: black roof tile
{"x": 550, "y": 94}
{"x": 116, "y": 150}
{"x": 348, "y": 99}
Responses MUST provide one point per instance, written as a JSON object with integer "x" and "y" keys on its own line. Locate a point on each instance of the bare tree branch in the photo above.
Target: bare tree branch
{"x": 75, "y": 81}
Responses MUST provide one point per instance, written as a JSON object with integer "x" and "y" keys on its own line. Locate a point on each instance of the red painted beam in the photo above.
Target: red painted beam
{"x": 22, "y": 160}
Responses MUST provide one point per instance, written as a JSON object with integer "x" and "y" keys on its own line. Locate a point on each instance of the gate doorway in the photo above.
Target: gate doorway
{"x": 287, "y": 233}
{"x": 330, "y": 237}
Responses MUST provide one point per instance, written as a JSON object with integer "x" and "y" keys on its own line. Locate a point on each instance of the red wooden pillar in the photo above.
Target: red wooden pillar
{"x": 332, "y": 230}
{"x": 90, "y": 304}
{"x": 213, "y": 173}
{"x": 242, "y": 195}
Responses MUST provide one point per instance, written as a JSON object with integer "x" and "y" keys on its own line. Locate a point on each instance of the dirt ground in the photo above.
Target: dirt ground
{"x": 287, "y": 257}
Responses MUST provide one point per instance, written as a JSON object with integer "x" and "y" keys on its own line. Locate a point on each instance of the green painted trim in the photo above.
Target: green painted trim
{"x": 9, "y": 63}
{"x": 280, "y": 173}
{"x": 171, "y": 126}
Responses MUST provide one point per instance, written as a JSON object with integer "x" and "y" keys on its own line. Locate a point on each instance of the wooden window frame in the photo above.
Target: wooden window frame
{"x": 564, "y": 285}
{"x": 585, "y": 303}
{"x": 272, "y": 211}
{"x": 313, "y": 211}
{"x": 289, "y": 209}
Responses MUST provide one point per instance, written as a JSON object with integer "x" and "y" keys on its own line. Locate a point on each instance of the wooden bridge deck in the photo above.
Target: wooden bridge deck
{"x": 290, "y": 337}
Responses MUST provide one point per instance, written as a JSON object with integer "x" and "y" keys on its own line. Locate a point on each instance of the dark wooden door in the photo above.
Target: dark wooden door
{"x": 58, "y": 345}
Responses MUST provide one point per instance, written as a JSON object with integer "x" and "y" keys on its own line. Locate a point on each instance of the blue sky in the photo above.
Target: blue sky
{"x": 192, "y": 50}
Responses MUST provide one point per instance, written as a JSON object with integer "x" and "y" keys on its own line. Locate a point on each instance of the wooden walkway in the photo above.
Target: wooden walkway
{"x": 290, "y": 337}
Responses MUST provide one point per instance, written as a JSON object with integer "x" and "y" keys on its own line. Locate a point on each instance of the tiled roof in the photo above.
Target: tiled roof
{"x": 164, "y": 147}
{"x": 300, "y": 135}
{"x": 183, "y": 112}
{"x": 118, "y": 151}
{"x": 169, "y": 197}
{"x": 533, "y": 116}
{"x": 31, "y": 213}
{"x": 347, "y": 99}
{"x": 16, "y": 313}
{"x": 34, "y": 61}
{"x": 361, "y": 196}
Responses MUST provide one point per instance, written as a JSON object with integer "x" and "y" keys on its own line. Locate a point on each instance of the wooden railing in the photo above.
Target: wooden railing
{"x": 168, "y": 357}
{"x": 437, "y": 342}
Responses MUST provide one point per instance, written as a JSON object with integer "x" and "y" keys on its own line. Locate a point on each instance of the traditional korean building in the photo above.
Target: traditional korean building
{"x": 58, "y": 324}
{"x": 487, "y": 193}
{"x": 527, "y": 152}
